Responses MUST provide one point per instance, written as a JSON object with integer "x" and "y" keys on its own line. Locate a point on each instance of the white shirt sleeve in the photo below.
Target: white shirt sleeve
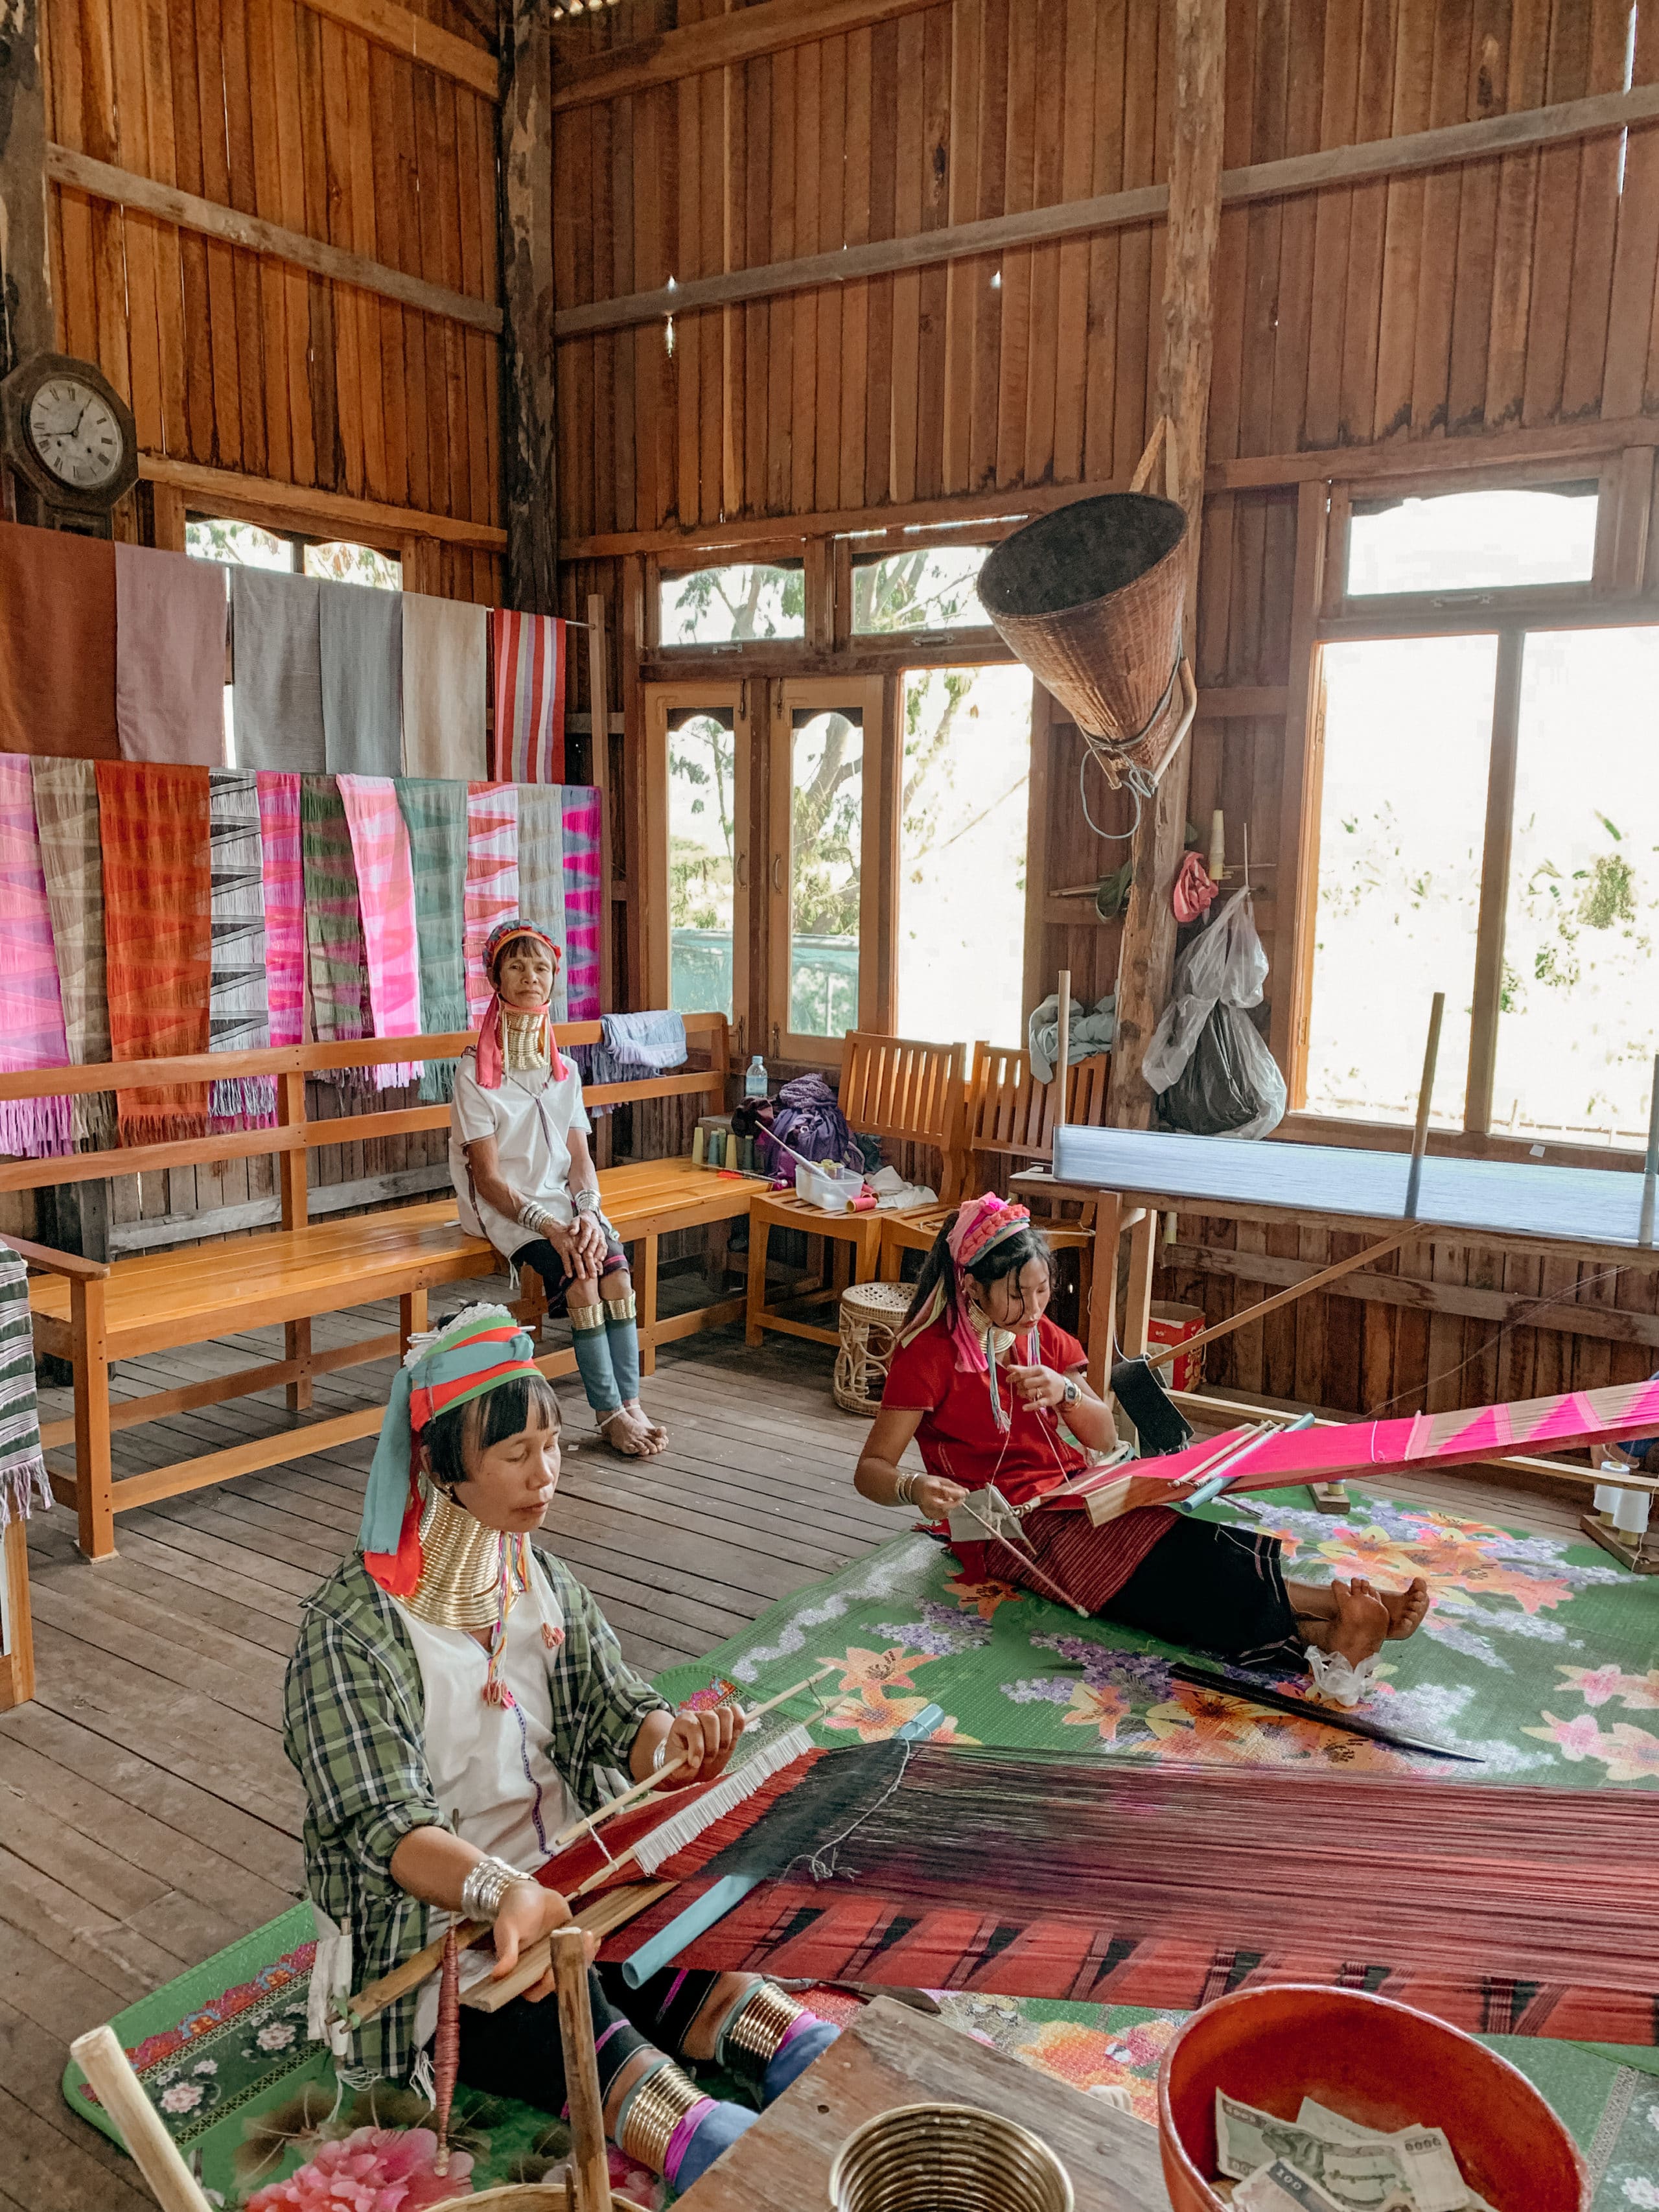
{"x": 470, "y": 1109}
{"x": 579, "y": 1112}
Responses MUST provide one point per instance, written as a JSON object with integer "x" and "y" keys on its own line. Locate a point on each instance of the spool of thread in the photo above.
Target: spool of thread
{"x": 1630, "y": 1511}
{"x": 1218, "y": 846}
{"x": 696, "y": 1162}
{"x": 732, "y": 1150}
{"x": 1607, "y": 1496}
{"x": 746, "y": 1155}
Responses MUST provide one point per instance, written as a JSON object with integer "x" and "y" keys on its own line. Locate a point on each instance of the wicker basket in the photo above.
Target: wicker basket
{"x": 1091, "y": 598}
{"x": 871, "y": 1315}
{"x": 526, "y": 2196}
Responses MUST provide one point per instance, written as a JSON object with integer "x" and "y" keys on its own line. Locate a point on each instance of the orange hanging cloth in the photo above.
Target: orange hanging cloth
{"x": 158, "y": 889}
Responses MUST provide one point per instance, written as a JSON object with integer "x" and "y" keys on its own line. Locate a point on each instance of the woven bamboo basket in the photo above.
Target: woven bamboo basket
{"x": 871, "y": 1315}
{"x": 1091, "y": 598}
{"x": 526, "y": 2196}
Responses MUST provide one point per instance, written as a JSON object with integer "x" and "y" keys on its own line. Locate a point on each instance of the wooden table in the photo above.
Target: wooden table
{"x": 890, "y": 2057}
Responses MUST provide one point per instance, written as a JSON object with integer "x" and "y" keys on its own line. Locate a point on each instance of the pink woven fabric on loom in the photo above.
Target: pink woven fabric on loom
{"x": 385, "y": 891}
{"x": 527, "y": 742}
{"x": 285, "y": 904}
{"x": 492, "y": 878}
{"x": 31, "y": 1004}
{"x": 584, "y": 822}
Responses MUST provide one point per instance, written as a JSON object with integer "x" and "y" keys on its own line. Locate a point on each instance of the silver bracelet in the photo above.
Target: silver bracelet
{"x": 532, "y": 1215}
{"x": 904, "y": 1489}
{"x": 585, "y": 1201}
{"x": 486, "y": 1886}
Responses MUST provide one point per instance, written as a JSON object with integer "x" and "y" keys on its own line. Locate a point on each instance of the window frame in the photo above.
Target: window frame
{"x": 388, "y": 545}
{"x": 662, "y": 700}
{"x": 785, "y": 553}
{"x": 879, "y": 856}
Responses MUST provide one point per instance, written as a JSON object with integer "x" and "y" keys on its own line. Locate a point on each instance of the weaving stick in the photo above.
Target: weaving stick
{"x": 99, "y": 2054}
{"x": 590, "y": 2162}
{"x": 1159, "y": 1355}
{"x": 1650, "y": 1166}
{"x": 1063, "y": 1047}
{"x": 446, "y": 2046}
{"x": 1420, "y": 1133}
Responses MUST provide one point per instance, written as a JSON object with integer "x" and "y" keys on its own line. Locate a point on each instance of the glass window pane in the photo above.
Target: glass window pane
{"x": 701, "y": 781}
{"x": 1469, "y": 541}
{"x": 1403, "y": 822}
{"x": 962, "y": 873}
{"x": 1578, "y": 1023}
{"x": 342, "y": 563}
{"x": 933, "y": 587}
{"x": 242, "y": 543}
{"x": 721, "y": 606}
{"x": 825, "y": 865}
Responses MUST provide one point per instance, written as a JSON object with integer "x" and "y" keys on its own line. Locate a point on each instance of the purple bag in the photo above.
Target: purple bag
{"x": 810, "y": 1123}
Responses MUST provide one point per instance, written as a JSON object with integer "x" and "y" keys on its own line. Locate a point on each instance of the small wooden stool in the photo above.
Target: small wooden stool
{"x": 871, "y": 1315}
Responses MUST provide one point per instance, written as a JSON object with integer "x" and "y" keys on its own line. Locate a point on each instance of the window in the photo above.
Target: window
{"x": 702, "y": 831}
{"x": 827, "y": 871}
{"x": 247, "y": 545}
{"x": 967, "y": 766}
{"x": 750, "y": 602}
{"x": 934, "y": 587}
{"x": 1489, "y": 827}
{"x": 1468, "y": 541}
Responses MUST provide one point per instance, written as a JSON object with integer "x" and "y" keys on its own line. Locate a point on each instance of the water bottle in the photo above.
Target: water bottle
{"x": 754, "y": 1082}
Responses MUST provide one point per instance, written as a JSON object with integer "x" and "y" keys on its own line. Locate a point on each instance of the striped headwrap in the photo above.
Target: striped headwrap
{"x": 980, "y": 1224}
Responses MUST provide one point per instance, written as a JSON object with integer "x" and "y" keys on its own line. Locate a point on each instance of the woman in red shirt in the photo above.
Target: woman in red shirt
{"x": 988, "y": 1386}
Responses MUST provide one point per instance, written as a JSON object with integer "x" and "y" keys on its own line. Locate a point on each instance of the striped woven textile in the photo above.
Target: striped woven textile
{"x": 66, "y": 817}
{"x": 434, "y": 815}
{"x": 335, "y": 961}
{"x": 385, "y": 895}
{"x": 541, "y": 873}
{"x": 22, "y": 1468}
{"x": 584, "y": 823}
{"x": 31, "y": 1006}
{"x": 284, "y": 872}
{"x": 239, "y": 1012}
{"x": 492, "y": 878}
{"x": 527, "y": 742}
{"x": 158, "y": 934}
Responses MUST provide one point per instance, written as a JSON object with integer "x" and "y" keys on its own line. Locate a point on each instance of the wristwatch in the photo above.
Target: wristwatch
{"x": 1073, "y": 1390}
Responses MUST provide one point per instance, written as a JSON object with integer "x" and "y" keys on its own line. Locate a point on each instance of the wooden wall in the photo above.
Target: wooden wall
{"x": 243, "y": 363}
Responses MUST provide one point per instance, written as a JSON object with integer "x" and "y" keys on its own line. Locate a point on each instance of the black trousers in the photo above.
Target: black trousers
{"x": 516, "y": 2052}
{"x": 1220, "y": 1587}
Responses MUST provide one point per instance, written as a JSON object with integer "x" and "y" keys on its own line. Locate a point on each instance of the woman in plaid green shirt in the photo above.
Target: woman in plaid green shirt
{"x": 456, "y": 1697}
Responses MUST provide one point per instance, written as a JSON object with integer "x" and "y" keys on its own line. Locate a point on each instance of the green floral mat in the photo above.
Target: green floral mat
{"x": 1533, "y": 1653}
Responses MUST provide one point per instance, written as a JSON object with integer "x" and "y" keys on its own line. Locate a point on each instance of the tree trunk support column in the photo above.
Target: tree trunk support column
{"x": 530, "y": 481}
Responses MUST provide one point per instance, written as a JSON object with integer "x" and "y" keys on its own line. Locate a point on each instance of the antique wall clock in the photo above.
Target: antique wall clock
{"x": 67, "y": 442}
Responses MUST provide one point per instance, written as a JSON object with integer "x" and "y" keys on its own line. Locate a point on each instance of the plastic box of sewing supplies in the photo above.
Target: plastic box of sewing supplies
{"x": 832, "y": 1188}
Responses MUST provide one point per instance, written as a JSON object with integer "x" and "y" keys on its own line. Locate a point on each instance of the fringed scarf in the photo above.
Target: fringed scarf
{"x": 283, "y": 874}
{"x": 584, "y": 826}
{"x": 434, "y": 814}
{"x": 158, "y": 930}
{"x": 31, "y": 1006}
{"x": 386, "y": 893}
{"x": 22, "y": 1469}
{"x": 541, "y": 873}
{"x": 492, "y": 878}
{"x": 239, "y": 1016}
{"x": 527, "y": 743}
{"x": 334, "y": 927}
{"x": 72, "y": 859}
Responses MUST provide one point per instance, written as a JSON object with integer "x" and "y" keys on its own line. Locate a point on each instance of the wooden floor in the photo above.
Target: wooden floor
{"x": 147, "y": 1816}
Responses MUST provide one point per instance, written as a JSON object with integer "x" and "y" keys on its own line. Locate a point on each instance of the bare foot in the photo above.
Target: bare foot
{"x": 657, "y": 1435}
{"x": 1407, "y": 1609}
{"x": 1360, "y": 1626}
{"x": 626, "y": 1434}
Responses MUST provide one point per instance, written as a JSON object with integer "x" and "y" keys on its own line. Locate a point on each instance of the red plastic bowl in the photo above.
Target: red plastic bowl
{"x": 1384, "y": 2065}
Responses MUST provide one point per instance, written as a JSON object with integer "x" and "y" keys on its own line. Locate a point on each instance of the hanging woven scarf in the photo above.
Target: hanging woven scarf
{"x": 31, "y": 1006}
{"x": 241, "y": 1012}
{"x": 66, "y": 816}
{"x": 434, "y": 814}
{"x": 158, "y": 931}
{"x": 527, "y": 745}
{"x": 584, "y": 825}
{"x": 492, "y": 878}
{"x": 541, "y": 873}
{"x": 335, "y": 959}
{"x": 283, "y": 874}
{"x": 386, "y": 892}
{"x": 22, "y": 1468}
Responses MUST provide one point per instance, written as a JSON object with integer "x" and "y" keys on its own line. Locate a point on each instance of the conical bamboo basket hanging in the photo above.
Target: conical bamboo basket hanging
{"x": 1090, "y": 597}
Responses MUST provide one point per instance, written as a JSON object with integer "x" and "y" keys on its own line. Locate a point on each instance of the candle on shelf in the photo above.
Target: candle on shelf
{"x": 1218, "y": 846}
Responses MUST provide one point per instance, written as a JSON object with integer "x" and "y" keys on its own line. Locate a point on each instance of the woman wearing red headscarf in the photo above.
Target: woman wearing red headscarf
{"x": 993, "y": 1392}
{"x": 524, "y": 1179}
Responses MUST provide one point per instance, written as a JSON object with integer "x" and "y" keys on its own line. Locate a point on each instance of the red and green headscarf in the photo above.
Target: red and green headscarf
{"x": 492, "y": 1044}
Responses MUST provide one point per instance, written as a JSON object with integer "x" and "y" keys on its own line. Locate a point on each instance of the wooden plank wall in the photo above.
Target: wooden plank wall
{"x": 1433, "y": 312}
{"x": 241, "y": 361}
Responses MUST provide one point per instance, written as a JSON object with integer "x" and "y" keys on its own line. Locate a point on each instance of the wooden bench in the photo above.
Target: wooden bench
{"x": 93, "y": 1315}
{"x": 16, "y": 1626}
{"x": 904, "y": 1091}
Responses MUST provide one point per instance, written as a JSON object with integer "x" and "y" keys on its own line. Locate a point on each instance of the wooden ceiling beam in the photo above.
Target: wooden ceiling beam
{"x": 719, "y": 42}
{"x": 1419, "y": 150}
{"x": 304, "y": 506}
{"x": 385, "y": 24}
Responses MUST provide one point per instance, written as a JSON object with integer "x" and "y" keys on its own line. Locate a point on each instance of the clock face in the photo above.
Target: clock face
{"x": 74, "y": 430}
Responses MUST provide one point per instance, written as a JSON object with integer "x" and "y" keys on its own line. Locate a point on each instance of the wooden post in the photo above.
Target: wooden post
{"x": 1199, "y": 45}
{"x": 590, "y": 2161}
{"x": 107, "y": 2067}
{"x": 529, "y": 477}
{"x": 1062, "y": 1048}
{"x": 26, "y": 317}
{"x": 293, "y": 1179}
{"x": 1651, "y": 1166}
{"x": 599, "y": 699}
{"x": 93, "y": 1503}
{"x": 1424, "y": 1098}
{"x": 16, "y": 1623}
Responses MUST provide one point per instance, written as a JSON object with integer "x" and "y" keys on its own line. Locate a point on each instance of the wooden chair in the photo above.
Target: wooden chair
{"x": 1010, "y": 1123}
{"x": 904, "y": 1091}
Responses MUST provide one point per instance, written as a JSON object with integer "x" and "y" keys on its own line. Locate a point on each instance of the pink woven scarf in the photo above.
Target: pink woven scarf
{"x": 32, "y": 1032}
{"x": 385, "y": 889}
{"x": 492, "y": 880}
{"x": 584, "y": 824}
{"x": 285, "y": 904}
